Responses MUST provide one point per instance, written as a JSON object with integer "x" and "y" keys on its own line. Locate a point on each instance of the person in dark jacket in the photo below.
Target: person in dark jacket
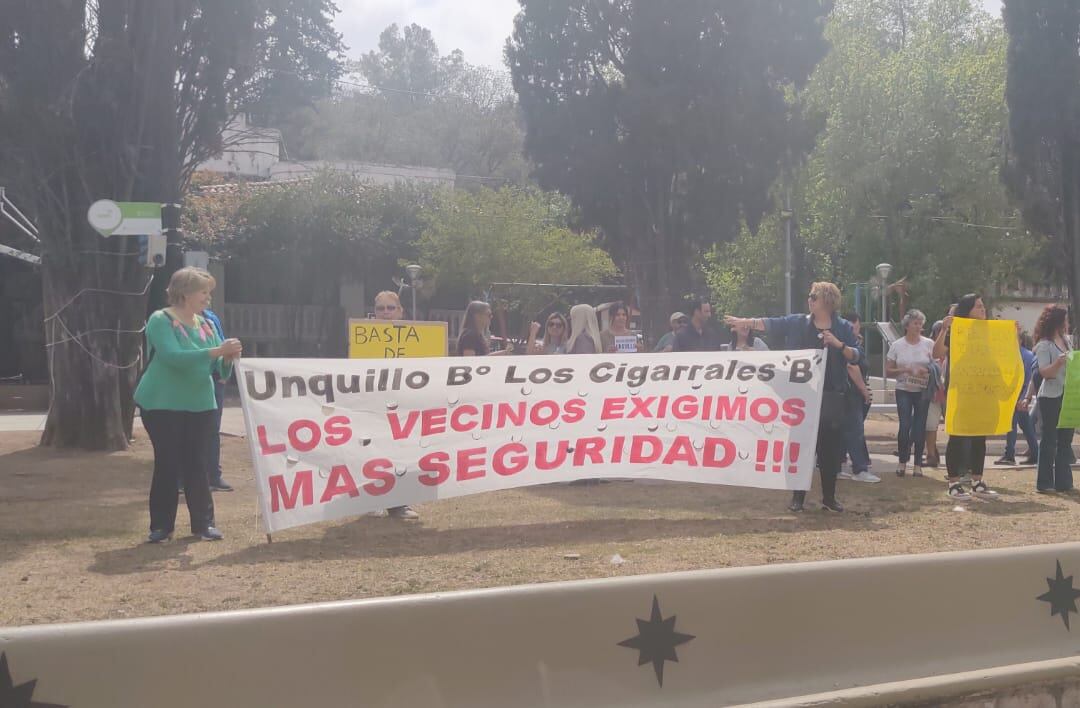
{"x": 822, "y": 328}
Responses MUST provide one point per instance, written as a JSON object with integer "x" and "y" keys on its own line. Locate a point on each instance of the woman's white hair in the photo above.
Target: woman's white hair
{"x": 909, "y": 317}
{"x": 583, "y": 321}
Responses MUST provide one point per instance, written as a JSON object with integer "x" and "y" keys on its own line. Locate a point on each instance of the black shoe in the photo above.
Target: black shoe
{"x": 1046, "y": 491}
{"x": 833, "y": 506}
{"x": 1006, "y": 460}
{"x": 220, "y": 486}
{"x": 211, "y": 534}
{"x": 795, "y": 507}
{"x": 158, "y": 535}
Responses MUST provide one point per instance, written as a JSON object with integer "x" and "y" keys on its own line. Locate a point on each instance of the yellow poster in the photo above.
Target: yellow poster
{"x": 382, "y": 339}
{"x": 985, "y": 377}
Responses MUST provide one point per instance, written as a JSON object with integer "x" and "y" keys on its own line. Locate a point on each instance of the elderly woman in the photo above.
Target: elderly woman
{"x": 909, "y": 360}
{"x": 822, "y": 328}
{"x": 176, "y": 397}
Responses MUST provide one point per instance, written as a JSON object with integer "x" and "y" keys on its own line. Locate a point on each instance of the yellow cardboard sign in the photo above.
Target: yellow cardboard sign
{"x": 383, "y": 339}
{"x": 985, "y": 377}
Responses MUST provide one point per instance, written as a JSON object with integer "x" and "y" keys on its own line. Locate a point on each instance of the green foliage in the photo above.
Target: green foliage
{"x": 1043, "y": 96}
{"x": 474, "y": 239}
{"x": 422, "y": 109}
{"x": 666, "y": 123}
{"x": 745, "y": 275}
{"x": 913, "y": 92}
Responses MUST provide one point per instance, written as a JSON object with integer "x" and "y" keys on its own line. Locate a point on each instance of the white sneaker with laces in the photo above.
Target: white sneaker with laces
{"x": 958, "y": 493}
{"x": 980, "y": 489}
{"x": 866, "y": 477}
{"x": 845, "y": 473}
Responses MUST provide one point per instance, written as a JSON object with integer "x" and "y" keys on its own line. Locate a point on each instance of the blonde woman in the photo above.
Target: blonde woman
{"x": 556, "y": 332}
{"x": 388, "y": 307}
{"x": 584, "y": 331}
{"x": 176, "y": 397}
{"x": 824, "y": 329}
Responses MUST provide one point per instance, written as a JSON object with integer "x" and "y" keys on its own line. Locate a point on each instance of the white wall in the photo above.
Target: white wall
{"x": 367, "y": 171}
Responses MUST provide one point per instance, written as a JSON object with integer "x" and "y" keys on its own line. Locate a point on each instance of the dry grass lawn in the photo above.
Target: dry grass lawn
{"x": 72, "y": 526}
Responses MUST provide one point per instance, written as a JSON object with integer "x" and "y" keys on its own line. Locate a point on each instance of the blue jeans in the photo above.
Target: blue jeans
{"x": 1027, "y": 426}
{"x": 854, "y": 434}
{"x": 1055, "y": 449}
{"x": 911, "y": 406}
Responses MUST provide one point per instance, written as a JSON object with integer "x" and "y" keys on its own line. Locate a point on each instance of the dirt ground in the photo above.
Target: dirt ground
{"x": 72, "y": 526}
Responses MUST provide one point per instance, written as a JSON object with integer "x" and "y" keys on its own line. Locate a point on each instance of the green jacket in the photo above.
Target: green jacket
{"x": 178, "y": 376}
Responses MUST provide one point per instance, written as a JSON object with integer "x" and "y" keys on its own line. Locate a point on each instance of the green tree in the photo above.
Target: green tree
{"x": 474, "y": 239}
{"x": 913, "y": 98}
{"x": 1043, "y": 167}
{"x": 666, "y": 123}
{"x": 113, "y": 99}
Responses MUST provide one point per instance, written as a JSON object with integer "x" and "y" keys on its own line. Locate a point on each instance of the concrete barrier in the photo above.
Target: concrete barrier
{"x": 907, "y": 630}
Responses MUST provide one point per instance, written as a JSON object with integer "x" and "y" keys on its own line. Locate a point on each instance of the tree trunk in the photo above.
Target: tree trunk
{"x": 1070, "y": 212}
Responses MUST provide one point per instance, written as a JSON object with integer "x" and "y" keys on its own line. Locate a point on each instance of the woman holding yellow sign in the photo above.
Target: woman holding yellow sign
{"x": 1052, "y": 353}
{"x": 984, "y": 375}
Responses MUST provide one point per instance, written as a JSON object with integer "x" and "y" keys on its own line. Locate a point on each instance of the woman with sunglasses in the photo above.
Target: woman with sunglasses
{"x": 556, "y": 332}
{"x": 822, "y": 328}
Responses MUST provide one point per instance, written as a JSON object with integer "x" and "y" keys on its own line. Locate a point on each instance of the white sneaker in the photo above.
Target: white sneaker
{"x": 845, "y": 473}
{"x": 917, "y": 472}
{"x": 981, "y": 490}
{"x": 957, "y": 492}
{"x": 901, "y": 469}
{"x": 866, "y": 477}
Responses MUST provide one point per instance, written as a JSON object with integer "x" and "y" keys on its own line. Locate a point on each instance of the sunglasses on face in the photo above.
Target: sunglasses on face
{"x": 556, "y": 324}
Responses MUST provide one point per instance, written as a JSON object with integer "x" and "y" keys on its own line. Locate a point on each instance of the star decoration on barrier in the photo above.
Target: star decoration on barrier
{"x": 656, "y": 641}
{"x": 1061, "y": 596}
{"x": 21, "y": 696}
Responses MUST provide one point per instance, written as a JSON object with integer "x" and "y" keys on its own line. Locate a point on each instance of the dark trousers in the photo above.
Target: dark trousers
{"x": 965, "y": 453}
{"x": 855, "y": 435}
{"x": 911, "y": 406}
{"x": 1024, "y": 421}
{"x": 213, "y": 449}
{"x": 830, "y": 451}
{"x": 1055, "y": 449}
{"x": 180, "y": 440}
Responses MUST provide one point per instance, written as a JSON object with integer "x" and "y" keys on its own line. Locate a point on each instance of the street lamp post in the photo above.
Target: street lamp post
{"x": 883, "y": 271}
{"x": 413, "y": 272}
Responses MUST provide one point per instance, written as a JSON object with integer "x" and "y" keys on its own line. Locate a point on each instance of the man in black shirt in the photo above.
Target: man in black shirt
{"x": 698, "y": 336}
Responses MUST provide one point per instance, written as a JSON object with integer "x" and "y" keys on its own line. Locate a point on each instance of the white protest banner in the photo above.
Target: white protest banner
{"x": 336, "y": 437}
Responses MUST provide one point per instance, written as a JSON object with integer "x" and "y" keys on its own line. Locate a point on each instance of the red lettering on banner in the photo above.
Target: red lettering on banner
{"x": 574, "y": 410}
{"x": 381, "y": 471}
{"x": 435, "y": 467}
{"x": 470, "y": 464}
{"x": 709, "y": 458}
{"x": 684, "y": 408}
{"x": 545, "y": 464}
{"x": 613, "y": 408}
{"x": 340, "y": 482}
{"x": 433, "y": 421}
{"x": 456, "y": 423}
{"x": 399, "y": 431}
{"x": 314, "y": 431}
{"x": 638, "y": 456}
{"x": 681, "y": 451}
{"x": 641, "y": 407}
{"x": 590, "y": 447}
{"x": 265, "y": 447}
{"x": 544, "y": 413}
{"x": 519, "y": 462}
{"x": 302, "y": 491}
{"x": 338, "y": 431}
{"x": 772, "y": 410}
{"x": 728, "y": 408}
{"x": 794, "y": 412}
{"x": 512, "y": 414}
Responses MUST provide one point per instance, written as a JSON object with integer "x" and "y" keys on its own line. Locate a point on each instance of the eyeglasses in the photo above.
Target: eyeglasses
{"x": 556, "y": 324}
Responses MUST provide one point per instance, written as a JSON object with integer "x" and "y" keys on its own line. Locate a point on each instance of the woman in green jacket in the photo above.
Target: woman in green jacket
{"x": 176, "y": 397}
